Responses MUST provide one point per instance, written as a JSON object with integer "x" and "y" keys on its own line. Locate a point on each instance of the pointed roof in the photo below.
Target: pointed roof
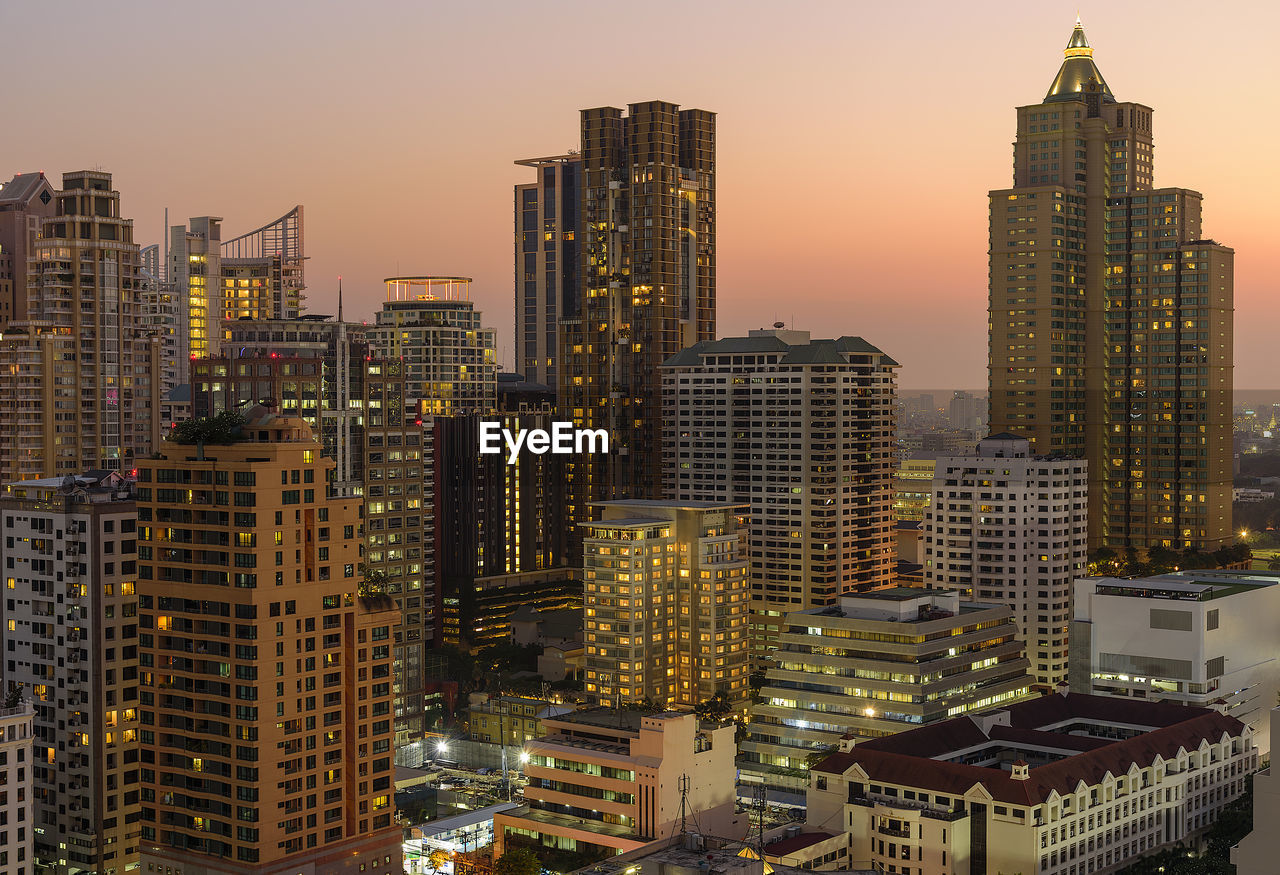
{"x": 1077, "y": 70}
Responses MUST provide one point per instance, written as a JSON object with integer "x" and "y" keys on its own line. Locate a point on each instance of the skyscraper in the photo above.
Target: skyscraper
{"x": 1008, "y": 527}
{"x": 803, "y": 431}
{"x": 648, "y": 279}
{"x": 548, "y": 265}
{"x": 1111, "y": 317}
{"x": 25, "y": 201}
{"x": 265, "y": 694}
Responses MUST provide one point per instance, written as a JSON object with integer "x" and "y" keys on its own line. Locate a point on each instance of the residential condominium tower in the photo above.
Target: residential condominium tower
{"x": 265, "y": 694}
{"x": 1111, "y": 317}
{"x": 803, "y": 431}
{"x": 648, "y": 257}
{"x": 71, "y": 641}
{"x": 547, "y": 262}
{"x": 1005, "y": 526}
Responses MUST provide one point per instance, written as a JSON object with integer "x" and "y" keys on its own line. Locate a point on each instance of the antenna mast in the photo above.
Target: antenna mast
{"x": 684, "y": 802}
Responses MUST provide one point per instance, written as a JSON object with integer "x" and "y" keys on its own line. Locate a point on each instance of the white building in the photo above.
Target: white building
{"x": 803, "y": 431}
{"x": 1065, "y": 784}
{"x": 17, "y": 827}
{"x": 70, "y": 637}
{"x": 1258, "y": 852}
{"x": 1005, "y": 526}
{"x": 1204, "y": 638}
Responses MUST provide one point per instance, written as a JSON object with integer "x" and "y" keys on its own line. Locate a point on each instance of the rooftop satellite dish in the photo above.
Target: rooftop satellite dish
{"x": 779, "y": 325}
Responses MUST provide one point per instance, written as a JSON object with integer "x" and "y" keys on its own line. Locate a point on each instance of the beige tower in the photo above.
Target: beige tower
{"x": 1111, "y": 317}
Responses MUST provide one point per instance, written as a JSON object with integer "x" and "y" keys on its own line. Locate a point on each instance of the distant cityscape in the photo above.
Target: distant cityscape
{"x": 269, "y": 608}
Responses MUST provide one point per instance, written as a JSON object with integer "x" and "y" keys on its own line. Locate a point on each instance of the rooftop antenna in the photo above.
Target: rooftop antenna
{"x": 759, "y": 802}
{"x": 684, "y": 802}
{"x": 339, "y": 297}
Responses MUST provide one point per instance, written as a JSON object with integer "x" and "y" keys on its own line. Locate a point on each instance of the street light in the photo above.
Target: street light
{"x": 524, "y": 757}
{"x": 870, "y": 712}
{"x": 442, "y": 748}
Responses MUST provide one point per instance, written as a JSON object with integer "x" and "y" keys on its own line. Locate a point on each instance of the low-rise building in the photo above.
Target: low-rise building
{"x": 510, "y": 719}
{"x": 875, "y": 664}
{"x": 1065, "y": 784}
{"x": 1203, "y": 638}
{"x": 603, "y": 781}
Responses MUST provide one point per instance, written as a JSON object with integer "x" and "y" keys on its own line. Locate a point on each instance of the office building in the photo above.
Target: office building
{"x": 258, "y": 275}
{"x": 71, "y": 641}
{"x": 912, "y": 489}
{"x": 25, "y": 202}
{"x": 265, "y": 694}
{"x": 665, "y": 599}
{"x": 925, "y": 656}
{"x": 1111, "y": 317}
{"x": 1012, "y": 528}
{"x": 501, "y": 530}
{"x": 605, "y": 781}
{"x": 1201, "y": 638}
{"x": 430, "y": 324}
{"x": 967, "y": 411}
{"x": 548, "y": 262}
{"x": 1256, "y": 854}
{"x": 802, "y": 430}
{"x": 648, "y": 258}
{"x": 16, "y": 828}
{"x": 323, "y": 372}
{"x": 1059, "y": 785}
{"x": 77, "y": 375}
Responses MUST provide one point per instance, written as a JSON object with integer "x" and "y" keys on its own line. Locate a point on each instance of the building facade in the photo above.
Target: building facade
{"x": 802, "y": 430}
{"x": 17, "y": 830}
{"x": 1257, "y": 852}
{"x": 548, "y": 262}
{"x": 912, "y": 489}
{"x": 71, "y": 642}
{"x": 1059, "y": 785}
{"x": 1008, "y": 527}
{"x": 430, "y": 324}
{"x": 1111, "y": 317}
{"x": 648, "y": 261}
{"x": 873, "y": 665}
{"x": 1200, "y": 638}
{"x": 25, "y": 202}
{"x": 265, "y": 694}
{"x": 605, "y": 781}
{"x": 666, "y": 603}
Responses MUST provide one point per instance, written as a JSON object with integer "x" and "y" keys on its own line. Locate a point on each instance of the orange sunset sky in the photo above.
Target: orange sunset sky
{"x": 856, "y": 141}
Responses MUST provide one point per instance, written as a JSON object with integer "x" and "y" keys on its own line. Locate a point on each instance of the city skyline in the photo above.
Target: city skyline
{"x": 835, "y": 244}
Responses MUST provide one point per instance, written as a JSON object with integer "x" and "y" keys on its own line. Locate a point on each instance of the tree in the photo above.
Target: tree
{"x": 225, "y": 428}
{"x": 373, "y": 581}
{"x": 437, "y": 858}
{"x": 717, "y": 709}
{"x": 13, "y": 698}
{"x": 518, "y": 861}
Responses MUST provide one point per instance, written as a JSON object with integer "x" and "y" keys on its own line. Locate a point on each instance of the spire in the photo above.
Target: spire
{"x": 339, "y": 299}
{"x": 1077, "y": 70}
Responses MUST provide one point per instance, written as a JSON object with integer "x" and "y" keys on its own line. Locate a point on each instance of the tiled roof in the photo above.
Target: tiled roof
{"x": 908, "y": 758}
{"x": 790, "y": 844}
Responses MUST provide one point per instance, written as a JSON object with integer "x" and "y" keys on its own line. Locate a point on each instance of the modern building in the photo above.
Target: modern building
{"x": 1009, "y": 527}
{"x": 665, "y": 600}
{"x": 1059, "y": 785}
{"x": 604, "y": 781}
{"x": 71, "y": 642}
{"x": 967, "y": 411}
{"x": 648, "y": 257}
{"x": 265, "y": 694}
{"x": 912, "y": 489}
{"x": 16, "y": 828}
{"x": 25, "y": 202}
{"x": 548, "y": 262}
{"x": 77, "y": 375}
{"x": 802, "y": 430}
{"x": 430, "y": 324}
{"x": 1201, "y": 638}
{"x": 1111, "y": 317}
{"x": 1256, "y": 854}
{"x": 323, "y": 371}
{"x": 873, "y": 665}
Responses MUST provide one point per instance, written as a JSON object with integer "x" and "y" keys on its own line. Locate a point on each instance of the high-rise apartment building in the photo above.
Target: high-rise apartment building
{"x": 77, "y": 374}
{"x": 665, "y": 597}
{"x": 548, "y": 268}
{"x": 803, "y": 431}
{"x": 265, "y": 692}
{"x": 323, "y": 372}
{"x": 1111, "y": 317}
{"x": 876, "y": 664}
{"x": 648, "y": 257}
{"x": 430, "y": 324}
{"x": 71, "y": 640}
{"x": 25, "y": 201}
{"x": 16, "y": 830}
{"x": 967, "y": 411}
{"x": 1009, "y": 527}
{"x": 912, "y": 489}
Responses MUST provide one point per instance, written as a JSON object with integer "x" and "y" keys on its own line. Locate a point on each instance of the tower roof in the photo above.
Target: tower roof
{"x": 1077, "y": 70}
